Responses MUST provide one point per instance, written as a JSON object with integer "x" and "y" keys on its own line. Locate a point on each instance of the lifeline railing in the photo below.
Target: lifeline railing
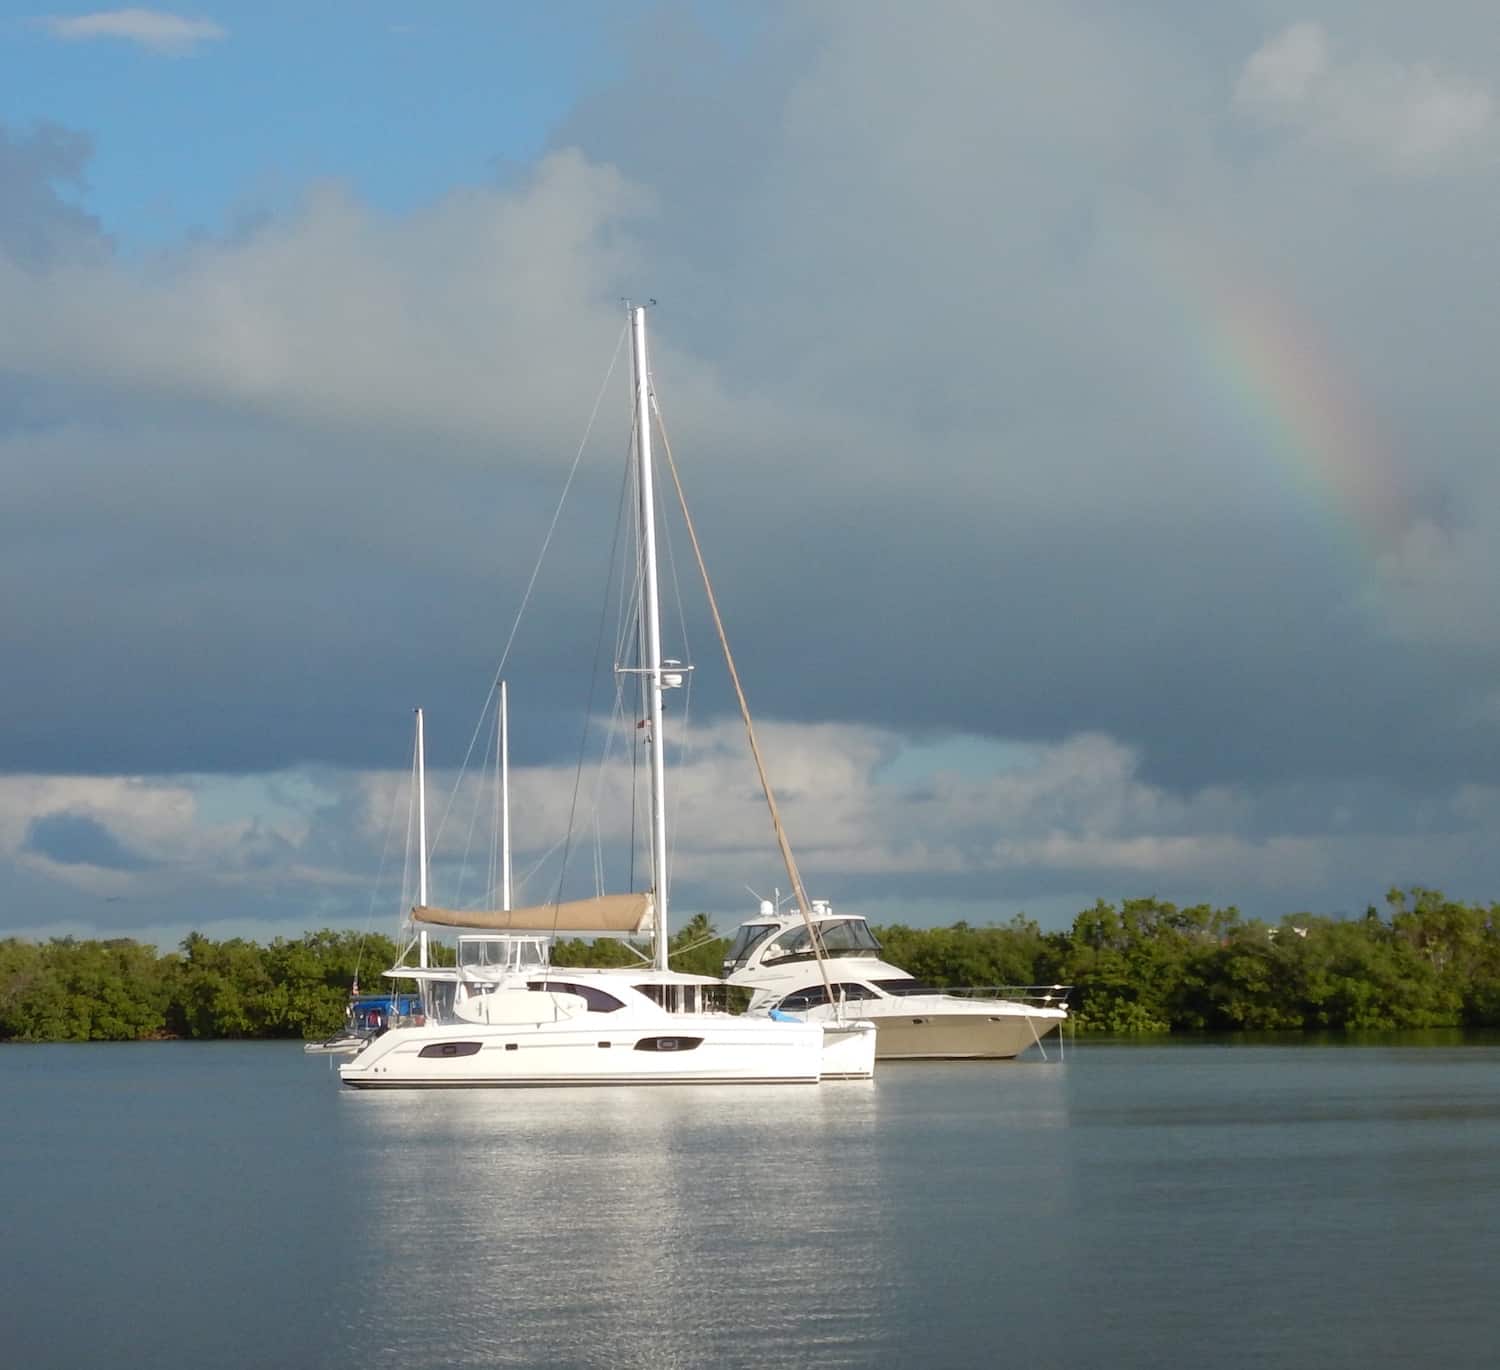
{"x": 1033, "y": 996}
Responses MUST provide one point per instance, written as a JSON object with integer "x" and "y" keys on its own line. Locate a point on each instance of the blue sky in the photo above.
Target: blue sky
{"x": 401, "y": 101}
{"x": 1035, "y": 371}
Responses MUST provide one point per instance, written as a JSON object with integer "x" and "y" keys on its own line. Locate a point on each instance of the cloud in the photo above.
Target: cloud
{"x": 75, "y": 839}
{"x": 39, "y": 226}
{"x": 1409, "y": 117}
{"x": 340, "y": 315}
{"x": 995, "y": 829}
{"x": 975, "y": 450}
{"x": 156, "y": 30}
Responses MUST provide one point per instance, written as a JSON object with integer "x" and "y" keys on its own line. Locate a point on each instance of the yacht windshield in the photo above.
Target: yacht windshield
{"x": 852, "y": 936}
{"x": 750, "y": 936}
{"x": 840, "y": 937}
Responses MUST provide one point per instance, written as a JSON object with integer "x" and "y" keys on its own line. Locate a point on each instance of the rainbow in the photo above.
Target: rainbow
{"x": 1275, "y": 366}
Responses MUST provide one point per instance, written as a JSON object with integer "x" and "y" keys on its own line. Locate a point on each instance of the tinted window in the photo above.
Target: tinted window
{"x": 442, "y": 1050}
{"x": 804, "y": 999}
{"x": 667, "y": 1043}
{"x": 597, "y": 999}
{"x": 907, "y": 986}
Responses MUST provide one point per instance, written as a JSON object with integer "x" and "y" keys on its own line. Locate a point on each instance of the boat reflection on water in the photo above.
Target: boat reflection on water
{"x": 723, "y": 1225}
{"x": 630, "y": 1226}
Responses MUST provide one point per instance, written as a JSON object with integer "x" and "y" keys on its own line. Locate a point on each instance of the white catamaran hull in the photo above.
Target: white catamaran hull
{"x": 707, "y": 1049}
{"x": 849, "y": 1050}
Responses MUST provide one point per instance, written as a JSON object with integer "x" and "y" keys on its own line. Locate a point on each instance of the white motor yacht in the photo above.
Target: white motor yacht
{"x": 773, "y": 956}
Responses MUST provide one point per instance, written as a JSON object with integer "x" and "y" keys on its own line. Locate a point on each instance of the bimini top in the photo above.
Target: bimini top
{"x": 621, "y": 915}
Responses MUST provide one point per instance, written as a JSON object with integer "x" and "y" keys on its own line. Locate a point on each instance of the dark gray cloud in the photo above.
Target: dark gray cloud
{"x": 1032, "y": 372}
{"x": 75, "y": 839}
{"x": 39, "y": 167}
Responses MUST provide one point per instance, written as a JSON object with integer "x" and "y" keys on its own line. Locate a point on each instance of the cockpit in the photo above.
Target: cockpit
{"x": 837, "y": 936}
{"x": 510, "y": 953}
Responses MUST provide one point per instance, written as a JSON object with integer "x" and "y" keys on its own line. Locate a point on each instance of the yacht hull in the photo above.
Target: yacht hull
{"x": 965, "y": 1036}
{"x": 685, "y": 1051}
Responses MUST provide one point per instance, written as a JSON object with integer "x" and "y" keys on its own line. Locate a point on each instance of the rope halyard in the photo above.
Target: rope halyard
{"x": 790, "y": 861}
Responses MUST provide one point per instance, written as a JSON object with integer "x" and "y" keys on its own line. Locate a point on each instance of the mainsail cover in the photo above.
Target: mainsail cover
{"x": 624, "y": 915}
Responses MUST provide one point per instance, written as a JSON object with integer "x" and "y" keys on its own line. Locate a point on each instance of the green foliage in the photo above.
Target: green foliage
{"x": 79, "y": 991}
{"x": 1141, "y": 966}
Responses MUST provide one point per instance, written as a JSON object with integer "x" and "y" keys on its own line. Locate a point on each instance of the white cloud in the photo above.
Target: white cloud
{"x": 472, "y": 316}
{"x": 1282, "y": 73}
{"x": 156, "y": 30}
{"x": 1410, "y": 118}
{"x": 1076, "y": 815}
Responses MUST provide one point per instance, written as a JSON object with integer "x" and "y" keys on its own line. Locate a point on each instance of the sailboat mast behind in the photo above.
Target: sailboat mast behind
{"x": 651, "y": 617}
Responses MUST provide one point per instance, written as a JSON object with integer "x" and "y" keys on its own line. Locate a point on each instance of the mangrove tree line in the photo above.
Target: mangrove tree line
{"x": 1139, "y": 966}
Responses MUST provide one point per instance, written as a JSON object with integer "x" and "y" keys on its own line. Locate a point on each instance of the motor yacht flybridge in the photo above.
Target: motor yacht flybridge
{"x": 776, "y": 956}
{"x": 502, "y": 1015}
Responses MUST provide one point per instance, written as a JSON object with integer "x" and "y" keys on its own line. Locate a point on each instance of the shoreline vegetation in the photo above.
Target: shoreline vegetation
{"x": 1142, "y": 966}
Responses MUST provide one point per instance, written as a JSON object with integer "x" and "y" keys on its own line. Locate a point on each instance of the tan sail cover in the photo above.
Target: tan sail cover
{"x": 623, "y": 915}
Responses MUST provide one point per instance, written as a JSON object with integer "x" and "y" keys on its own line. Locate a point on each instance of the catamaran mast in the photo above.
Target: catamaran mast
{"x": 505, "y": 893}
{"x": 651, "y": 614}
{"x": 421, "y": 835}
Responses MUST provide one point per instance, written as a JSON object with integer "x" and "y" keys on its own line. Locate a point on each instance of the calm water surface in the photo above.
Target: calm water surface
{"x": 230, "y": 1205}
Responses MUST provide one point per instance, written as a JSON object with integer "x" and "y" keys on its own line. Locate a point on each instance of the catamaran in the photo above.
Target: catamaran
{"x": 502, "y": 1015}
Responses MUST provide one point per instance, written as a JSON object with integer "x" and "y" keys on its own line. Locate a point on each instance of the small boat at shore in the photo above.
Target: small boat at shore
{"x": 365, "y": 1017}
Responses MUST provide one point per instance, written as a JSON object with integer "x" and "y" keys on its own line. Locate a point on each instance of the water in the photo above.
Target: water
{"x": 229, "y": 1205}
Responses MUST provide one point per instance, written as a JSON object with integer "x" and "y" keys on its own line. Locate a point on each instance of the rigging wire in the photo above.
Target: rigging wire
{"x": 385, "y": 851}
{"x": 531, "y": 583}
{"x": 584, "y": 736}
{"x": 613, "y": 729}
{"x": 790, "y": 861}
{"x": 683, "y": 747}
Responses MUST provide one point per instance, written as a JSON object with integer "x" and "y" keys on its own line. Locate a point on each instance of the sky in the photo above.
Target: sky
{"x": 1087, "y": 410}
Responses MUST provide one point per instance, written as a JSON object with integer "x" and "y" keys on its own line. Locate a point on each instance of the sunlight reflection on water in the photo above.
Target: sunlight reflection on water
{"x": 230, "y": 1205}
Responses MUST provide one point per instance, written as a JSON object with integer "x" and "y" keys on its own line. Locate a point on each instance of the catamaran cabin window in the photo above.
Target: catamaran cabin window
{"x": 673, "y": 998}
{"x": 472, "y": 952}
{"x": 518, "y": 953}
{"x": 597, "y": 999}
